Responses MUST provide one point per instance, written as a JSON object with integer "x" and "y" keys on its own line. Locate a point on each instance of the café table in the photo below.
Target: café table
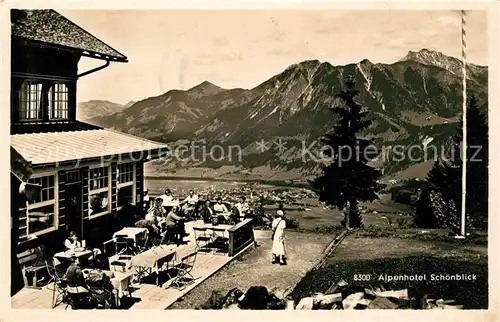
{"x": 135, "y": 233}
{"x": 120, "y": 262}
{"x": 169, "y": 205}
{"x": 152, "y": 260}
{"x": 218, "y": 231}
{"x": 82, "y": 254}
{"x": 225, "y": 214}
{"x": 210, "y": 226}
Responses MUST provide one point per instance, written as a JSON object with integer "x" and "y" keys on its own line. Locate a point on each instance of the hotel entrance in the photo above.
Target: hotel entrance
{"x": 74, "y": 202}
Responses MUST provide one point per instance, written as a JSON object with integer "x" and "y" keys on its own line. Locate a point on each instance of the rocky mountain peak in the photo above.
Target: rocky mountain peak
{"x": 428, "y": 57}
{"x": 205, "y": 88}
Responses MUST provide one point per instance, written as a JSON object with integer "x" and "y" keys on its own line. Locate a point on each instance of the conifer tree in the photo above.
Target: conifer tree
{"x": 346, "y": 177}
{"x": 477, "y": 167}
{"x": 445, "y": 178}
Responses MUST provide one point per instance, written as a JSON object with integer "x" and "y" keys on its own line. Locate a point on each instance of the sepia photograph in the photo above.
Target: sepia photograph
{"x": 249, "y": 159}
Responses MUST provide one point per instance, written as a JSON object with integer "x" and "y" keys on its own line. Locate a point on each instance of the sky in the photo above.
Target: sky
{"x": 180, "y": 49}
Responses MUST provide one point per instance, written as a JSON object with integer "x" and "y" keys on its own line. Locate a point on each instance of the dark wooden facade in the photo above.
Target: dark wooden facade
{"x": 93, "y": 230}
{"x": 46, "y": 64}
{"x": 49, "y": 64}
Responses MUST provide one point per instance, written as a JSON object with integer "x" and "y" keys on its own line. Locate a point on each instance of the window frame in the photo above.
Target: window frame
{"x": 45, "y": 101}
{"x": 21, "y": 102}
{"x": 51, "y": 104}
{"x": 45, "y": 203}
{"x": 100, "y": 190}
{"x": 132, "y": 183}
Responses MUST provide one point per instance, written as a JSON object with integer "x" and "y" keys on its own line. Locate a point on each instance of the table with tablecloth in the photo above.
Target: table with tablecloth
{"x": 138, "y": 234}
{"x": 153, "y": 259}
{"x": 225, "y": 214}
{"x": 81, "y": 253}
{"x": 221, "y": 227}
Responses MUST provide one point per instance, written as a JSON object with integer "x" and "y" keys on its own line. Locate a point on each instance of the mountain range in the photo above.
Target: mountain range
{"x": 413, "y": 102}
{"x": 98, "y": 108}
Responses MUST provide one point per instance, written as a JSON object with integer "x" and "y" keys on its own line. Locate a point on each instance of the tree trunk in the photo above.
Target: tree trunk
{"x": 353, "y": 214}
{"x": 347, "y": 216}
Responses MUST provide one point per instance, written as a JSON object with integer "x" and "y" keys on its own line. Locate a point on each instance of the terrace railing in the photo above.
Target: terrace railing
{"x": 240, "y": 236}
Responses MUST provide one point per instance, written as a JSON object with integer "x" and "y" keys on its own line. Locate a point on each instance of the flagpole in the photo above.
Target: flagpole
{"x": 464, "y": 126}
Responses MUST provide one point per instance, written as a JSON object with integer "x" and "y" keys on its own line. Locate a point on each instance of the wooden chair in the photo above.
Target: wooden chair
{"x": 58, "y": 288}
{"x": 109, "y": 248}
{"x": 142, "y": 247}
{"x": 184, "y": 269}
{"x": 201, "y": 238}
{"x": 121, "y": 243}
{"x": 54, "y": 269}
{"x": 78, "y": 297}
{"x": 168, "y": 264}
{"x": 33, "y": 266}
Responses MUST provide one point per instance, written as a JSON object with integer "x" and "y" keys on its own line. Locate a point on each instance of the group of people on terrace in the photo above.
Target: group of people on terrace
{"x": 191, "y": 207}
{"x": 165, "y": 218}
{"x": 97, "y": 286}
{"x": 172, "y": 213}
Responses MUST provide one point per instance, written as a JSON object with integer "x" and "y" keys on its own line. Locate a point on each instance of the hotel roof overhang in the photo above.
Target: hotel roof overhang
{"x": 20, "y": 168}
{"x": 104, "y": 145}
{"x": 47, "y": 28}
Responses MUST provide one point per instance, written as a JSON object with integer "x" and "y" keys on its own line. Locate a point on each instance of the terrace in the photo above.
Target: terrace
{"x": 151, "y": 293}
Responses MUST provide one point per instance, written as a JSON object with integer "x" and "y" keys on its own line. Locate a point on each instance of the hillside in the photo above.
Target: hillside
{"x": 97, "y": 109}
{"x": 414, "y": 101}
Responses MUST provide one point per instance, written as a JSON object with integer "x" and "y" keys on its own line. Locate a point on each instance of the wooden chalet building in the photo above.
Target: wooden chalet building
{"x": 86, "y": 173}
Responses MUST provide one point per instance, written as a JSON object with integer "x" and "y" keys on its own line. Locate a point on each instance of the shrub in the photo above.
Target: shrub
{"x": 292, "y": 222}
{"x": 404, "y": 223}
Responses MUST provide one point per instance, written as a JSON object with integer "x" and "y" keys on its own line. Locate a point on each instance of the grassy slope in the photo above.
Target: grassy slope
{"x": 393, "y": 256}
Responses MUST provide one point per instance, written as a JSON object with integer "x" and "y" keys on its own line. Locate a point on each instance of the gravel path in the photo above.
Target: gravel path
{"x": 254, "y": 268}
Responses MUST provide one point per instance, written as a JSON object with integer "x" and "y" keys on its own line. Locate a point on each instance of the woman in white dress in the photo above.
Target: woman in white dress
{"x": 278, "y": 225}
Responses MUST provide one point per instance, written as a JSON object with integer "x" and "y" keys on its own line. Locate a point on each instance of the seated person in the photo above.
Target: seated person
{"x": 207, "y": 212}
{"x": 102, "y": 290}
{"x": 145, "y": 200}
{"x": 219, "y": 207}
{"x": 234, "y": 218}
{"x": 167, "y": 198}
{"x": 243, "y": 207}
{"x": 174, "y": 224}
{"x": 155, "y": 213}
{"x": 72, "y": 241}
{"x": 74, "y": 275}
{"x": 189, "y": 204}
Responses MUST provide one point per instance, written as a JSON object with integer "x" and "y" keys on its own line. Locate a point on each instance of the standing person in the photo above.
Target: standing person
{"x": 278, "y": 225}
